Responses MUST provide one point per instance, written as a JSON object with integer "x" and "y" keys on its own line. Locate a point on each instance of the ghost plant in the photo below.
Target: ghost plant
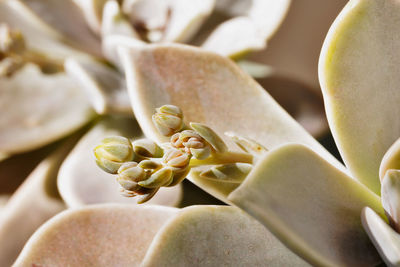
{"x": 60, "y": 70}
{"x": 283, "y": 178}
{"x": 305, "y": 197}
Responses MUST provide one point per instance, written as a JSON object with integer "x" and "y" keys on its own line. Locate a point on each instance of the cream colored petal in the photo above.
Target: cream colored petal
{"x": 38, "y": 34}
{"x": 82, "y": 182}
{"x": 92, "y": 11}
{"x": 391, "y": 197}
{"x": 209, "y": 89}
{"x": 99, "y": 235}
{"x": 385, "y": 239}
{"x": 186, "y": 19}
{"x": 39, "y": 109}
{"x": 105, "y": 87}
{"x": 391, "y": 159}
{"x": 217, "y": 236}
{"x": 66, "y": 18}
{"x": 255, "y": 23}
{"x": 360, "y": 82}
{"x": 35, "y": 201}
{"x": 312, "y": 207}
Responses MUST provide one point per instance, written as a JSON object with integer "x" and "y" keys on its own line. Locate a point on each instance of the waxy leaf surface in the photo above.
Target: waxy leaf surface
{"x": 359, "y": 77}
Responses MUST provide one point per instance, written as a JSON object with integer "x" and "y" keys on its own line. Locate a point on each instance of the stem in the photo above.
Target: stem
{"x": 223, "y": 158}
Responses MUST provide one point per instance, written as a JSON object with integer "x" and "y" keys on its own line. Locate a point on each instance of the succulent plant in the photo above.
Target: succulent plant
{"x": 54, "y": 81}
{"x": 291, "y": 202}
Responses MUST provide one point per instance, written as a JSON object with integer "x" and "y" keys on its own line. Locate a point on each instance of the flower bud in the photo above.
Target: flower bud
{"x": 129, "y": 174}
{"x": 192, "y": 143}
{"x": 112, "y": 152}
{"x": 149, "y": 166}
{"x": 176, "y": 158}
{"x": 162, "y": 177}
{"x": 147, "y": 148}
{"x": 168, "y": 119}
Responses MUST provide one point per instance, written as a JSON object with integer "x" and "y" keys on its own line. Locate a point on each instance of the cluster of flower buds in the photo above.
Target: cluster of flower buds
{"x": 142, "y": 166}
{"x": 14, "y": 54}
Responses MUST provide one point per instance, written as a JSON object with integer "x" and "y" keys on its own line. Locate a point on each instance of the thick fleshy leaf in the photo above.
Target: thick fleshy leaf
{"x": 99, "y": 235}
{"x": 217, "y": 236}
{"x": 82, "y": 182}
{"x": 391, "y": 159}
{"x": 257, "y": 21}
{"x": 391, "y": 197}
{"x": 38, "y": 35}
{"x": 385, "y": 239}
{"x": 210, "y": 89}
{"x": 67, "y": 19}
{"x": 40, "y": 109}
{"x": 311, "y": 206}
{"x": 360, "y": 84}
{"x": 105, "y": 87}
{"x": 186, "y": 19}
{"x": 35, "y": 201}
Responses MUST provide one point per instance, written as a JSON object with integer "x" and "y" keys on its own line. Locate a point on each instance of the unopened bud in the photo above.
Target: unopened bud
{"x": 176, "y": 158}
{"x": 162, "y": 177}
{"x": 168, "y": 119}
{"x": 113, "y": 152}
{"x": 129, "y": 174}
{"x": 147, "y": 148}
{"x": 192, "y": 143}
{"x": 210, "y": 136}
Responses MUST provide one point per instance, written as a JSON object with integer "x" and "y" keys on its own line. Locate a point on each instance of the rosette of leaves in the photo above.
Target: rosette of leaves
{"x": 314, "y": 205}
{"x": 62, "y": 78}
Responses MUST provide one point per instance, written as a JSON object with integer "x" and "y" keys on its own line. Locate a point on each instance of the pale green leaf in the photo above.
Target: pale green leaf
{"x": 311, "y": 206}
{"x": 360, "y": 82}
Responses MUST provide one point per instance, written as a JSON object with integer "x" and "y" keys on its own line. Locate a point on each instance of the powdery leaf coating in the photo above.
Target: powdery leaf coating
{"x": 38, "y": 35}
{"x": 82, "y": 182}
{"x": 217, "y": 236}
{"x": 37, "y": 110}
{"x": 385, "y": 239}
{"x": 99, "y": 235}
{"x": 206, "y": 87}
{"x": 311, "y": 206}
{"x": 35, "y": 201}
{"x": 360, "y": 83}
{"x": 105, "y": 88}
{"x": 67, "y": 20}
